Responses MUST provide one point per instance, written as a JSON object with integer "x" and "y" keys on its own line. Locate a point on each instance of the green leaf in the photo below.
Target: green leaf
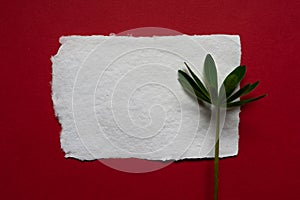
{"x": 238, "y": 93}
{"x": 233, "y": 79}
{"x": 243, "y": 102}
{"x": 251, "y": 88}
{"x": 190, "y": 86}
{"x": 198, "y": 81}
{"x": 243, "y": 91}
{"x": 210, "y": 74}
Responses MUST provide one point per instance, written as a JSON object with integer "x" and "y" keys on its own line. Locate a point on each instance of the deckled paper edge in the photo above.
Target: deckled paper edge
{"x": 87, "y": 156}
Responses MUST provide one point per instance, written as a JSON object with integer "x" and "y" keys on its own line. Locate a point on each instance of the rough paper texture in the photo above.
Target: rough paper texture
{"x": 119, "y": 97}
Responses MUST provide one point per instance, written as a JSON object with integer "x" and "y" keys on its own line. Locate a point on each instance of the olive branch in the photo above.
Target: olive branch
{"x": 226, "y": 97}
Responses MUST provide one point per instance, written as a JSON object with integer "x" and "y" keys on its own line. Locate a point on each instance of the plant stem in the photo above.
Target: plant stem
{"x": 216, "y": 160}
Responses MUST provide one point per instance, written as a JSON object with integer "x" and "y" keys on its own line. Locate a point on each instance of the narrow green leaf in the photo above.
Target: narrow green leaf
{"x": 233, "y": 79}
{"x": 190, "y": 86}
{"x": 238, "y": 93}
{"x": 210, "y": 74}
{"x": 243, "y": 91}
{"x": 251, "y": 88}
{"x": 198, "y": 81}
{"x": 222, "y": 95}
{"x": 243, "y": 102}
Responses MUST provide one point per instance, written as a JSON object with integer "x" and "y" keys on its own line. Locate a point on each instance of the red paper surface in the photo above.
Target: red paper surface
{"x": 33, "y": 165}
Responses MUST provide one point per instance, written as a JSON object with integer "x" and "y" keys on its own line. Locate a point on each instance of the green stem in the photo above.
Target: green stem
{"x": 216, "y": 160}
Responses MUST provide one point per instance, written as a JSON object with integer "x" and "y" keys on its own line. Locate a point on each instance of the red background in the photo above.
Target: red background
{"x": 33, "y": 165}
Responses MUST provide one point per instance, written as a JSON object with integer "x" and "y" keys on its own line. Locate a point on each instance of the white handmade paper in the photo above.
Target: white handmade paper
{"x": 119, "y": 97}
